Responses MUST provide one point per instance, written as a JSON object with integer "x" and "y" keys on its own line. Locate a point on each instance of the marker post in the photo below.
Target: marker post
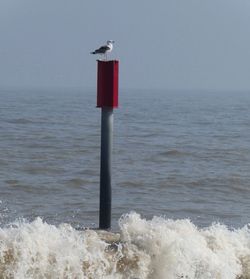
{"x": 107, "y": 100}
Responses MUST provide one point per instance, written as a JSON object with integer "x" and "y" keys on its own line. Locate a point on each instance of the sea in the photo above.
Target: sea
{"x": 180, "y": 185}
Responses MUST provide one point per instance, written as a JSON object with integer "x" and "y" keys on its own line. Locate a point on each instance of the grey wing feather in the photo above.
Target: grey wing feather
{"x": 102, "y": 49}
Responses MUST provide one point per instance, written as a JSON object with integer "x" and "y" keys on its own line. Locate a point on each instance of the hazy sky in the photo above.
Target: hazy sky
{"x": 172, "y": 44}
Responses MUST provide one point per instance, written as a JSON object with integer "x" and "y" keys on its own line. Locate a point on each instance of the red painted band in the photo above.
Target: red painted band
{"x": 107, "y": 83}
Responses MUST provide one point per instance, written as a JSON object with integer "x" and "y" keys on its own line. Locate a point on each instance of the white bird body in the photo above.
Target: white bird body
{"x": 104, "y": 50}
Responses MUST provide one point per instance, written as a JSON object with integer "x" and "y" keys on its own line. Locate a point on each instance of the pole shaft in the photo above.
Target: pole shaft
{"x": 105, "y": 168}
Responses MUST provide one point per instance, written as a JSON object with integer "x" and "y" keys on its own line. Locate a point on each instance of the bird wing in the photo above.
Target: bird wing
{"x": 102, "y": 49}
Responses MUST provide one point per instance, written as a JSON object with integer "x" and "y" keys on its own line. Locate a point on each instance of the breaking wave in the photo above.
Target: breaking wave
{"x": 143, "y": 249}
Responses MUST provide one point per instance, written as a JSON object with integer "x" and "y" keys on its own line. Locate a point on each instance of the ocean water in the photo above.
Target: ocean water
{"x": 181, "y": 164}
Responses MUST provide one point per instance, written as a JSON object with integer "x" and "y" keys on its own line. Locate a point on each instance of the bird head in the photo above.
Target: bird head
{"x": 110, "y": 42}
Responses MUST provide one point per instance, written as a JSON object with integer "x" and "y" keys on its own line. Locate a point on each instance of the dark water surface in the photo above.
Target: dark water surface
{"x": 181, "y": 155}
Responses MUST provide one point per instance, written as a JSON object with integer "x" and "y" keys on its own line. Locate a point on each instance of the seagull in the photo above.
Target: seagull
{"x": 103, "y": 50}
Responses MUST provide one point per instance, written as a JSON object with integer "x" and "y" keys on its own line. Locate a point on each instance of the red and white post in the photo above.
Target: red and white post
{"x": 107, "y": 100}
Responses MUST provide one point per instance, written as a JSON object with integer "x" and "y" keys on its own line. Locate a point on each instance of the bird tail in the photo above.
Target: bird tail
{"x": 93, "y": 52}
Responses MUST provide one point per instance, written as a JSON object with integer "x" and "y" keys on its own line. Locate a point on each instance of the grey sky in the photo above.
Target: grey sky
{"x": 173, "y": 44}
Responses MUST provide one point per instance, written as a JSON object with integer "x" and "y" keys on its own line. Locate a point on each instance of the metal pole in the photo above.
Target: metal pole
{"x": 105, "y": 168}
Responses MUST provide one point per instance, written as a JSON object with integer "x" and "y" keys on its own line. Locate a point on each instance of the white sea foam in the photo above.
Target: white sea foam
{"x": 178, "y": 249}
{"x": 154, "y": 249}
